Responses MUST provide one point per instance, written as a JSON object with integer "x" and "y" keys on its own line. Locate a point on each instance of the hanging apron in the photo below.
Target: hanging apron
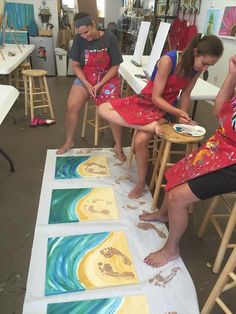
{"x": 97, "y": 64}
{"x": 139, "y": 109}
{"x": 217, "y": 153}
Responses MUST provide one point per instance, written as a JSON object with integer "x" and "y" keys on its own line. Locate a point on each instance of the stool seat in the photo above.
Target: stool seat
{"x": 169, "y": 136}
{"x": 25, "y": 66}
{"x": 34, "y": 72}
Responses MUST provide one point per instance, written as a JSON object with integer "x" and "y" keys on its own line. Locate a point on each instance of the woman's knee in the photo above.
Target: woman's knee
{"x": 180, "y": 197}
{"x": 141, "y": 140}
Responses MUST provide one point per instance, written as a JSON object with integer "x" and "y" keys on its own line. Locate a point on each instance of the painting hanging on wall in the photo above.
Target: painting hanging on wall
{"x": 129, "y": 304}
{"x": 72, "y": 205}
{"x": 212, "y": 20}
{"x": 72, "y": 167}
{"x": 88, "y": 261}
{"x": 228, "y": 24}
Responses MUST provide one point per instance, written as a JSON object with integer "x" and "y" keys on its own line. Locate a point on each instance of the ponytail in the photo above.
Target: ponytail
{"x": 199, "y": 46}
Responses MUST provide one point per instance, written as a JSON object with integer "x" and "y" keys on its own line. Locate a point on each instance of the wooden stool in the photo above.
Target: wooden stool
{"x": 168, "y": 138}
{"x": 33, "y": 94}
{"x": 94, "y": 122}
{"x": 224, "y": 235}
{"x": 226, "y": 281}
{"x": 16, "y": 78}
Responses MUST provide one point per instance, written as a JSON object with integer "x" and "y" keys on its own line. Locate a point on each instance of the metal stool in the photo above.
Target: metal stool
{"x": 36, "y": 95}
{"x": 226, "y": 281}
{"x": 94, "y": 122}
{"x": 169, "y": 137}
{"x": 224, "y": 235}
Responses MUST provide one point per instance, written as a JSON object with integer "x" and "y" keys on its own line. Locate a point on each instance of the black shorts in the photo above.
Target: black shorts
{"x": 215, "y": 183}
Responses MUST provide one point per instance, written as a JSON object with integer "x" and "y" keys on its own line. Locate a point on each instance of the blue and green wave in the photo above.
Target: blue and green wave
{"x": 66, "y": 167}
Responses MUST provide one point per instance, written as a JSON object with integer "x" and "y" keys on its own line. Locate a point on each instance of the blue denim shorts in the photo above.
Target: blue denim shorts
{"x": 78, "y": 82}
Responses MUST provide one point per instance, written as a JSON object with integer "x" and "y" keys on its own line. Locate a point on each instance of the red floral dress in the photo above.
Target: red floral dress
{"x": 139, "y": 109}
{"x": 217, "y": 153}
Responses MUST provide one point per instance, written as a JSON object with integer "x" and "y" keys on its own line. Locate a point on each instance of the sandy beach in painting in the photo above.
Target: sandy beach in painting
{"x": 100, "y": 203}
{"x": 109, "y": 264}
{"x": 95, "y": 166}
{"x": 134, "y": 304}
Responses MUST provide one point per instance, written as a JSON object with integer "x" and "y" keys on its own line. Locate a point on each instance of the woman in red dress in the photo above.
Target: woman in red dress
{"x": 209, "y": 171}
{"x": 175, "y": 72}
{"x": 95, "y": 58}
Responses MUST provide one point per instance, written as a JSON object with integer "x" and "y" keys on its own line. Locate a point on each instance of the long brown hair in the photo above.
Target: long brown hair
{"x": 205, "y": 45}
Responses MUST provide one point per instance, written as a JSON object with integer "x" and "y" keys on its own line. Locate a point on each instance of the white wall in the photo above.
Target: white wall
{"x": 218, "y": 72}
{"x": 52, "y": 4}
{"x": 112, "y": 11}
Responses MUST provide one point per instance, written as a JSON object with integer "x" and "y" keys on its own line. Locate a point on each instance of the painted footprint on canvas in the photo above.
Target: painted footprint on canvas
{"x": 71, "y": 167}
{"x": 75, "y": 263}
{"x": 85, "y": 204}
{"x": 119, "y": 305}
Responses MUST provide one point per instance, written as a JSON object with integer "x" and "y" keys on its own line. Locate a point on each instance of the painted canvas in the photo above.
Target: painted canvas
{"x": 228, "y": 24}
{"x": 212, "y": 20}
{"x": 88, "y": 261}
{"x": 71, "y": 205}
{"x": 119, "y": 305}
{"x": 71, "y": 167}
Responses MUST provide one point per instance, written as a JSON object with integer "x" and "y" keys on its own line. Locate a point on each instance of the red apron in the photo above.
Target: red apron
{"x": 217, "y": 153}
{"x": 139, "y": 109}
{"x": 97, "y": 64}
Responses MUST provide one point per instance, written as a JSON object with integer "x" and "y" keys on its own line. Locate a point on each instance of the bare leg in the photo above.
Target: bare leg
{"x": 160, "y": 214}
{"x": 107, "y": 112}
{"x": 142, "y": 154}
{"x": 117, "y": 134}
{"x": 77, "y": 98}
{"x": 178, "y": 200}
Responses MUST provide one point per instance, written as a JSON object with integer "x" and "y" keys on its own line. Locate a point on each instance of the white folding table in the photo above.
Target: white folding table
{"x": 9, "y": 95}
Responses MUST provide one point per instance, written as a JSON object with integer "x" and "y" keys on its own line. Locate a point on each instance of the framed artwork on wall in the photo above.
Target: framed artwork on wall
{"x": 212, "y": 20}
{"x": 228, "y": 23}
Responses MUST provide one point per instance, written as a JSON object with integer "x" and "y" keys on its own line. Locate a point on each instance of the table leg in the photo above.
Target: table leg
{"x": 8, "y": 159}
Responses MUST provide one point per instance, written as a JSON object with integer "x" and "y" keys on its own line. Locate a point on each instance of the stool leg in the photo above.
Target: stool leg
{"x": 206, "y": 219}
{"x": 26, "y": 94}
{"x": 161, "y": 174}
{"x": 31, "y": 97}
{"x": 220, "y": 283}
{"x": 131, "y": 151}
{"x": 44, "y": 101}
{"x": 96, "y": 127}
{"x": 84, "y": 119}
{"x": 225, "y": 240}
{"x": 157, "y": 164}
{"x": 48, "y": 97}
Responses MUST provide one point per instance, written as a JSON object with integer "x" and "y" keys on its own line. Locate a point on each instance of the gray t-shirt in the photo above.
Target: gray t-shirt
{"x": 107, "y": 40}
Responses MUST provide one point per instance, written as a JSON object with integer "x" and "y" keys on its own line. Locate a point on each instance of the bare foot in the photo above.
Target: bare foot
{"x": 65, "y": 148}
{"x": 161, "y": 258}
{"x": 119, "y": 153}
{"x": 137, "y": 191}
{"x": 153, "y": 216}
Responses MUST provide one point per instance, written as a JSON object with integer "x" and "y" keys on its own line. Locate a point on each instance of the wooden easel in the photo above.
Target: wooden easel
{"x": 12, "y": 32}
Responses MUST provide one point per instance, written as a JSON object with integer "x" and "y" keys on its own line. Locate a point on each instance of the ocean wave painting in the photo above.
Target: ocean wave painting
{"x": 88, "y": 261}
{"x": 71, "y": 167}
{"x": 119, "y": 305}
{"x": 72, "y": 205}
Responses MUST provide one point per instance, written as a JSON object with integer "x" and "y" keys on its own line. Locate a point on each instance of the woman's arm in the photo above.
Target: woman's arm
{"x": 227, "y": 90}
{"x": 164, "y": 69}
{"x": 185, "y": 96}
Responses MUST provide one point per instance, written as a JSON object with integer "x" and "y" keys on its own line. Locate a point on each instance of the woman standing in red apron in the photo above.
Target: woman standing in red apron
{"x": 95, "y": 58}
{"x": 175, "y": 72}
{"x": 209, "y": 171}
